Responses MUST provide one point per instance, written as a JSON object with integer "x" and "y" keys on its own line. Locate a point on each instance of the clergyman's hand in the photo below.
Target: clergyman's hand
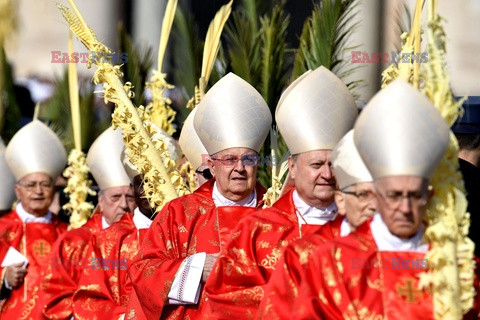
{"x": 209, "y": 262}
{"x": 15, "y": 275}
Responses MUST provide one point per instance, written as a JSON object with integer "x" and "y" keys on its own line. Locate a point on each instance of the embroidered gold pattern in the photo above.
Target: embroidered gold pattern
{"x": 271, "y": 260}
{"x": 409, "y": 291}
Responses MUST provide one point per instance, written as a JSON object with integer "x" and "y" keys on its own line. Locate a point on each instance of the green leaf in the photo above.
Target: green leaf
{"x": 324, "y": 39}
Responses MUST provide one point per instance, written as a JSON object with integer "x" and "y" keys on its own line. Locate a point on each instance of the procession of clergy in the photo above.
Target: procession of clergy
{"x": 357, "y": 190}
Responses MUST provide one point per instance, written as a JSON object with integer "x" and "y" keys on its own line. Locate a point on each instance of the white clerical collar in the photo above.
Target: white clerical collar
{"x": 221, "y": 201}
{"x": 28, "y": 218}
{"x": 312, "y": 215}
{"x": 105, "y": 224}
{"x": 140, "y": 220}
{"x": 345, "y": 228}
{"x": 386, "y": 241}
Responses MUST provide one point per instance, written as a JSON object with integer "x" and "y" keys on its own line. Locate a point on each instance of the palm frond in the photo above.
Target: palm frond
{"x": 274, "y": 69}
{"x": 324, "y": 39}
{"x": 56, "y": 112}
{"x": 212, "y": 43}
{"x": 140, "y": 60}
{"x": 243, "y": 47}
{"x": 9, "y": 107}
{"x": 185, "y": 40}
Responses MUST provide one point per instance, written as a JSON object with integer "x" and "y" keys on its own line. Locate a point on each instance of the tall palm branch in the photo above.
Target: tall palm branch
{"x": 325, "y": 37}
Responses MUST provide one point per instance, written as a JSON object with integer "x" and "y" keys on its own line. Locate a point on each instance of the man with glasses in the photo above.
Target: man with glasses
{"x": 180, "y": 248}
{"x": 69, "y": 256}
{"x": 374, "y": 272}
{"x": 313, "y": 114}
{"x": 36, "y": 157}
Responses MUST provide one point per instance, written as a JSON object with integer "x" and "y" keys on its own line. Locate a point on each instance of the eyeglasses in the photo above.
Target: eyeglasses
{"x": 205, "y": 173}
{"x": 32, "y": 185}
{"x": 362, "y": 196}
{"x": 230, "y": 160}
{"x": 394, "y": 199}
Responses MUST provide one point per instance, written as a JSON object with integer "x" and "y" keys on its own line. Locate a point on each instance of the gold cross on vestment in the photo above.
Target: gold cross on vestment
{"x": 409, "y": 291}
{"x": 41, "y": 248}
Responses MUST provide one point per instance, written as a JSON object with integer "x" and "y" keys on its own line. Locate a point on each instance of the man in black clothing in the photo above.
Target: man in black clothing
{"x": 467, "y": 131}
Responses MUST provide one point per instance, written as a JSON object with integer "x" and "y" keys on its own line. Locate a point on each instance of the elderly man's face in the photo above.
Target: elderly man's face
{"x": 235, "y": 171}
{"x": 314, "y": 178}
{"x": 35, "y": 192}
{"x": 358, "y": 203}
{"x": 115, "y": 202}
{"x": 402, "y": 202}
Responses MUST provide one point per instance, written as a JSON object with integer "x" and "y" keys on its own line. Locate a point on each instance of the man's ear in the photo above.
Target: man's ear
{"x": 211, "y": 166}
{"x": 340, "y": 201}
{"x": 16, "y": 188}
{"x": 292, "y": 168}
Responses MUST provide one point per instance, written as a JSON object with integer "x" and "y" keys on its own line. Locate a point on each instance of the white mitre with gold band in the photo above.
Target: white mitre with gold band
{"x": 35, "y": 148}
{"x": 104, "y": 161}
{"x": 190, "y": 143}
{"x": 315, "y": 112}
{"x": 232, "y": 114}
{"x": 347, "y": 164}
{"x": 172, "y": 148}
{"x": 400, "y": 132}
{"x": 7, "y": 193}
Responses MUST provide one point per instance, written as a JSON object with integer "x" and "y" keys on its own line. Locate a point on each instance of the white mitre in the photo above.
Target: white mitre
{"x": 190, "y": 143}
{"x": 104, "y": 161}
{"x": 347, "y": 164}
{"x": 171, "y": 144}
{"x": 35, "y": 148}
{"x": 7, "y": 193}
{"x": 232, "y": 114}
{"x": 315, "y": 112}
{"x": 400, "y": 132}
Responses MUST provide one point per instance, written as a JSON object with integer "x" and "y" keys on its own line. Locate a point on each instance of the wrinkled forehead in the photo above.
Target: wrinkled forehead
{"x": 401, "y": 183}
{"x": 235, "y": 152}
{"x": 36, "y": 177}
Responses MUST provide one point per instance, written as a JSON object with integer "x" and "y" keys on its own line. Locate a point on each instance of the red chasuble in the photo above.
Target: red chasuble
{"x": 236, "y": 285}
{"x": 185, "y": 226}
{"x": 347, "y": 278}
{"x": 101, "y": 292}
{"x": 66, "y": 261}
{"x": 33, "y": 240}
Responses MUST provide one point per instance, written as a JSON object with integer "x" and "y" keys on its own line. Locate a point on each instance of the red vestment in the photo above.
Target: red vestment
{"x": 67, "y": 259}
{"x": 185, "y": 226}
{"x": 236, "y": 285}
{"x": 347, "y": 278}
{"x": 101, "y": 292}
{"x": 3, "y": 249}
{"x": 33, "y": 240}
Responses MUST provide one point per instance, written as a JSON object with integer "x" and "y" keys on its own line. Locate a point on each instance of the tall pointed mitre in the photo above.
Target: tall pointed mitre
{"x": 232, "y": 114}
{"x": 315, "y": 112}
{"x": 347, "y": 163}
{"x": 400, "y": 132}
{"x": 190, "y": 143}
{"x": 172, "y": 148}
{"x": 7, "y": 195}
{"x": 35, "y": 148}
{"x": 104, "y": 160}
